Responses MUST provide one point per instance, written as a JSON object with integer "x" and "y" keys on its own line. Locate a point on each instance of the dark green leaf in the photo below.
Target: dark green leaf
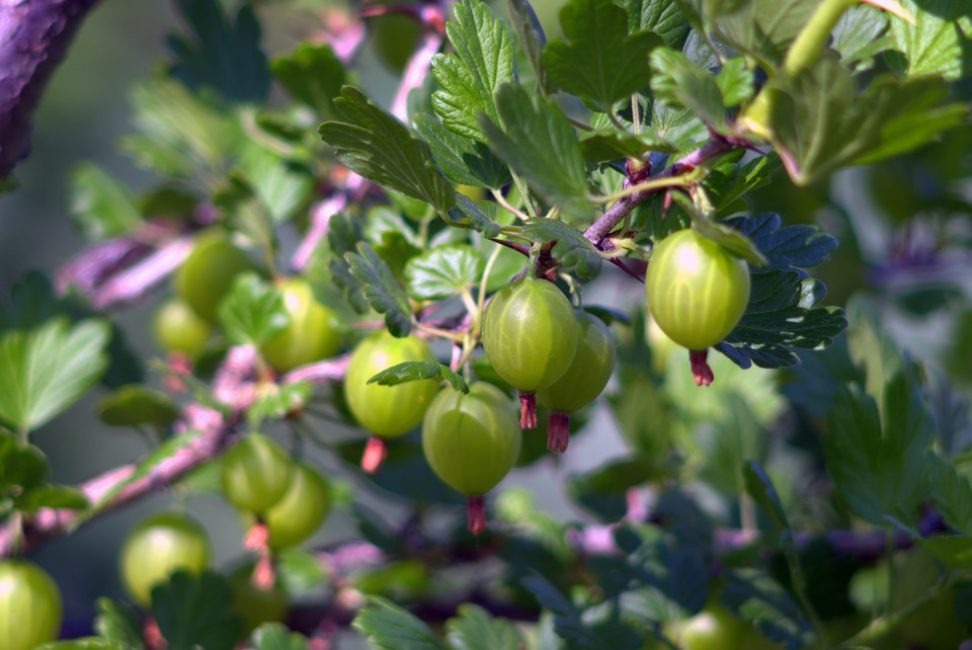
{"x": 659, "y": 16}
{"x": 603, "y": 491}
{"x": 253, "y": 312}
{"x": 759, "y": 599}
{"x": 101, "y": 206}
{"x": 312, "y": 74}
{"x": 475, "y": 629}
{"x": 22, "y": 466}
{"x": 32, "y": 303}
{"x": 476, "y": 215}
{"x": 377, "y": 146}
{"x": 954, "y": 551}
{"x": 416, "y": 370}
{"x": 735, "y": 81}
{"x": 443, "y": 272}
{"x": 567, "y": 618}
{"x": 381, "y": 289}
{"x": 820, "y": 123}
{"x": 761, "y": 488}
{"x": 462, "y": 159}
{"x": 117, "y": 622}
{"x": 51, "y": 496}
{"x": 605, "y": 145}
{"x": 220, "y": 53}
{"x": 282, "y": 186}
{"x": 45, "y": 370}
{"x": 879, "y": 463}
{"x": 179, "y": 133}
{"x": 599, "y": 60}
{"x": 763, "y": 28}
{"x": 470, "y": 77}
{"x": 786, "y": 247}
{"x": 953, "y": 495}
{"x": 681, "y": 84}
{"x": 937, "y": 42}
{"x": 389, "y": 627}
{"x": 136, "y": 405}
{"x": 575, "y": 253}
{"x": 532, "y": 39}
{"x": 858, "y": 34}
{"x": 540, "y": 144}
{"x": 404, "y": 474}
{"x": 276, "y": 636}
{"x": 195, "y": 611}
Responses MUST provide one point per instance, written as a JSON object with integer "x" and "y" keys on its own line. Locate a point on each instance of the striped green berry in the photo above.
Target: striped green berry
{"x": 696, "y": 290}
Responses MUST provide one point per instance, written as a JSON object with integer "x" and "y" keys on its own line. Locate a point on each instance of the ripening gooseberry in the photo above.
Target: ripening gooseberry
{"x": 179, "y": 330}
{"x": 530, "y": 336}
{"x": 301, "y": 510}
{"x": 312, "y": 333}
{"x": 158, "y": 547}
{"x": 696, "y": 292}
{"x": 386, "y": 411}
{"x": 207, "y": 275}
{"x": 255, "y": 474}
{"x": 583, "y": 382}
{"x": 30, "y": 606}
{"x": 471, "y": 441}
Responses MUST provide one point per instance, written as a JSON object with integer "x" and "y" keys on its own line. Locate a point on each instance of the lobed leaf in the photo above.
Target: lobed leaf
{"x": 389, "y": 627}
{"x": 253, "y": 312}
{"x": 380, "y": 288}
{"x": 312, "y": 74}
{"x": 195, "y": 611}
{"x": 442, "y": 272}
{"x": 416, "y": 370}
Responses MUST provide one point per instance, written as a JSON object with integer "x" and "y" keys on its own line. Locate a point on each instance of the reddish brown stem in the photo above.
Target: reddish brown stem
{"x": 558, "y": 432}
{"x": 374, "y": 454}
{"x": 701, "y": 371}
{"x": 528, "y": 411}
{"x": 476, "y": 514}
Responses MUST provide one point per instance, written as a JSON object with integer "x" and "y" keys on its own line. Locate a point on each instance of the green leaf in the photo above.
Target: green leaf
{"x": 953, "y": 494}
{"x": 220, "y": 53}
{"x": 540, "y": 144}
{"x": 480, "y": 216}
{"x": 575, "y": 253}
{"x": 529, "y": 32}
{"x": 22, "y": 466}
{"x": 603, "y": 491}
{"x": 45, "y": 370}
{"x": 312, "y": 74}
{"x": 732, "y": 240}
{"x": 389, "y": 627}
{"x": 463, "y": 160}
{"x": 954, "y": 551}
{"x": 443, "y": 272}
{"x": 937, "y": 42}
{"x": 759, "y": 599}
{"x": 135, "y": 405}
{"x": 282, "y": 186}
{"x": 762, "y": 28}
{"x": 119, "y": 623}
{"x": 195, "y": 611}
{"x": 880, "y": 468}
{"x": 253, "y": 312}
{"x": 475, "y": 629}
{"x": 417, "y": 370}
{"x": 276, "y": 636}
{"x": 820, "y": 123}
{"x": 735, "y": 81}
{"x": 858, "y": 35}
{"x": 377, "y": 146}
{"x": 299, "y": 571}
{"x": 604, "y": 145}
{"x": 380, "y": 288}
{"x": 599, "y": 60}
{"x": 681, "y": 84}
{"x": 101, "y": 206}
{"x": 470, "y": 77}
{"x": 60, "y": 497}
{"x": 178, "y": 133}
{"x": 659, "y": 16}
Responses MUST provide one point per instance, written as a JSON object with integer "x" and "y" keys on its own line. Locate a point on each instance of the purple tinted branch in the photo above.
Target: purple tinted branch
{"x": 92, "y": 267}
{"x": 135, "y": 282}
{"x": 34, "y": 35}
{"x": 416, "y": 71}
{"x": 319, "y": 224}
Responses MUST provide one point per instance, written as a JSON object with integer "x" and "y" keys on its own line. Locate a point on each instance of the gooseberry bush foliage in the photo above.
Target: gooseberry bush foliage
{"x": 546, "y": 230}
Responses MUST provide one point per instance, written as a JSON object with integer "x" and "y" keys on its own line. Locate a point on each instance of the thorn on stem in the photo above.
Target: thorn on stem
{"x": 374, "y": 455}
{"x": 701, "y": 371}
{"x": 528, "y": 411}
{"x": 558, "y": 432}
{"x": 476, "y": 514}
